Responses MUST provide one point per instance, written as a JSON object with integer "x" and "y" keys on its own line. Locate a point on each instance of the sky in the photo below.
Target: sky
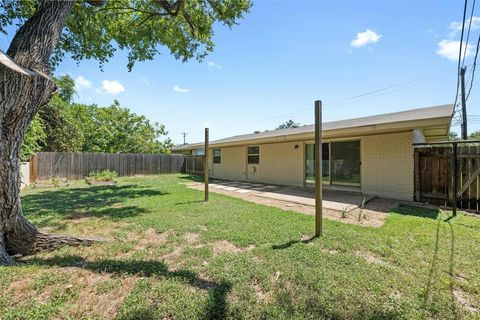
{"x": 283, "y": 56}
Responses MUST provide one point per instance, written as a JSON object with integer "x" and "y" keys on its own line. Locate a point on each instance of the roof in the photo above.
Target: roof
{"x": 434, "y": 120}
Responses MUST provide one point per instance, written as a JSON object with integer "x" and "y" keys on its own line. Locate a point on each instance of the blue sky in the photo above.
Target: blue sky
{"x": 286, "y": 54}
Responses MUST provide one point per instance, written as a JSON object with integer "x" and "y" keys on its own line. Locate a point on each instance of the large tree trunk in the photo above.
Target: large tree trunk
{"x": 24, "y": 87}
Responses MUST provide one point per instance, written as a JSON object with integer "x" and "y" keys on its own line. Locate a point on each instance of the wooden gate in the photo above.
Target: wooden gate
{"x": 447, "y": 173}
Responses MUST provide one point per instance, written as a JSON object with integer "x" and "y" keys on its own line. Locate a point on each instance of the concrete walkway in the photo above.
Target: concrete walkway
{"x": 332, "y": 199}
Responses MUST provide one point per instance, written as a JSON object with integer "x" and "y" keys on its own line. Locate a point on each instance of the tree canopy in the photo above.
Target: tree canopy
{"x": 96, "y": 29}
{"x": 288, "y": 124}
{"x": 65, "y": 126}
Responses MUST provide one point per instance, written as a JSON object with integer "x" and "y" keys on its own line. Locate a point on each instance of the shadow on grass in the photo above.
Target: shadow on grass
{"x": 76, "y": 203}
{"x": 417, "y": 212}
{"x": 216, "y": 303}
{"x": 291, "y": 243}
{"x": 189, "y": 202}
{"x": 435, "y": 272}
{"x": 195, "y": 178}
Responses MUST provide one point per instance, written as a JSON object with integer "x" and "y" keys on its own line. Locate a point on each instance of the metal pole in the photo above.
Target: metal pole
{"x": 464, "y": 104}
{"x": 205, "y": 166}
{"x": 455, "y": 174}
{"x": 318, "y": 169}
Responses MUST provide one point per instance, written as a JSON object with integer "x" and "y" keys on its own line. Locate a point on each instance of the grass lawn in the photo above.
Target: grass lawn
{"x": 168, "y": 255}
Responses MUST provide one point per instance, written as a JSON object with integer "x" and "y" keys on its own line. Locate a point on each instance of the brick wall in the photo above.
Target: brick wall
{"x": 387, "y": 165}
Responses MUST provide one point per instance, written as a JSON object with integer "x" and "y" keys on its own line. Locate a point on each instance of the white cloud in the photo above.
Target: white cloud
{"x": 364, "y": 38}
{"x": 112, "y": 87}
{"x": 82, "y": 83}
{"x": 449, "y": 49}
{"x": 213, "y": 65}
{"x": 180, "y": 89}
{"x": 456, "y": 26}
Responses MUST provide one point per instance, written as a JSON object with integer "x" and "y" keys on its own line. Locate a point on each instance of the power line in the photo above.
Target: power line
{"x": 474, "y": 67}
{"x": 468, "y": 33}
{"x": 343, "y": 101}
{"x": 460, "y": 51}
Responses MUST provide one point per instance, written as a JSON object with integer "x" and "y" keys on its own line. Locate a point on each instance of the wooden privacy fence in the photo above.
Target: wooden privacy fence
{"x": 194, "y": 165}
{"x": 70, "y": 165}
{"x": 435, "y": 178}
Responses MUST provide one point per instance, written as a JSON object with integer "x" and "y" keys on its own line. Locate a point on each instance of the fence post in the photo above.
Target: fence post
{"x": 33, "y": 168}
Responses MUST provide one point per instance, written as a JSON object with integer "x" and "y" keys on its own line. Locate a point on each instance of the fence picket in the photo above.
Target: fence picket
{"x": 77, "y": 165}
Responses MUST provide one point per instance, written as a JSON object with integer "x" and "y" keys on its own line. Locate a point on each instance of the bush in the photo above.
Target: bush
{"x": 104, "y": 176}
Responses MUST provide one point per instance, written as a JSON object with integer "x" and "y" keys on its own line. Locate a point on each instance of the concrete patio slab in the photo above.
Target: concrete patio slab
{"x": 332, "y": 199}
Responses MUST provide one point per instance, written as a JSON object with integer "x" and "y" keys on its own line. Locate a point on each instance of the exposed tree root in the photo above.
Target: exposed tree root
{"x": 26, "y": 239}
{"x": 5, "y": 259}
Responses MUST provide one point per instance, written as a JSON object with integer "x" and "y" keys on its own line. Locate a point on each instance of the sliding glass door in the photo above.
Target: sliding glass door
{"x": 310, "y": 163}
{"x": 345, "y": 163}
{"x": 340, "y": 159}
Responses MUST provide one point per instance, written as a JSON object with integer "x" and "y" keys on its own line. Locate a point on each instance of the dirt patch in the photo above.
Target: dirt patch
{"x": 261, "y": 294}
{"x": 225, "y": 246}
{"x": 101, "y": 303}
{"x": 191, "y": 237}
{"x": 329, "y": 251}
{"x": 19, "y": 290}
{"x": 150, "y": 238}
{"x": 464, "y": 300}
{"x": 373, "y": 215}
{"x": 369, "y": 257}
{"x": 153, "y": 236}
{"x": 171, "y": 259}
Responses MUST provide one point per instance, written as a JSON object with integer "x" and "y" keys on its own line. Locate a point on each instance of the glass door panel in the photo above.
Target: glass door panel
{"x": 346, "y": 163}
{"x": 310, "y": 163}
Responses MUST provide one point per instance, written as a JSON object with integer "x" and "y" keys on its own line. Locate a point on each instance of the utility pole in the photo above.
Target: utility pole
{"x": 318, "y": 169}
{"x": 464, "y": 104}
{"x": 184, "y": 134}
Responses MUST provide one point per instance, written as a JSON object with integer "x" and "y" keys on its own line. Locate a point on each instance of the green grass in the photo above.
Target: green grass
{"x": 241, "y": 260}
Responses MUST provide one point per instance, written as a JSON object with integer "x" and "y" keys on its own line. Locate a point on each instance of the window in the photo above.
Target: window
{"x": 217, "y": 156}
{"x": 253, "y": 155}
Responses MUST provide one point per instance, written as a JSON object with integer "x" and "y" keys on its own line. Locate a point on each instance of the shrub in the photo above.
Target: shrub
{"x": 55, "y": 182}
{"x": 104, "y": 176}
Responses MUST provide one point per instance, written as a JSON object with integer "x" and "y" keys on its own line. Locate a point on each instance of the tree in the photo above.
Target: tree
{"x": 63, "y": 131}
{"x": 117, "y": 130}
{"x": 475, "y": 135}
{"x": 288, "y": 124}
{"x": 452, "y": 136}
{"x": 91, "y": 29}
{"x": 34, "y": 138}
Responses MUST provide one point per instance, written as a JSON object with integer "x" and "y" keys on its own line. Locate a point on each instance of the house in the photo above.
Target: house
{"x": 372, "y": 155}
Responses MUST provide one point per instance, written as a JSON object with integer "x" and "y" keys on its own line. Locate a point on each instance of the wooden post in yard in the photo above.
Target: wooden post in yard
{"x": 205, "y": 166}
{"x": 455, "y": 175}
{"x": 318, "y": 169}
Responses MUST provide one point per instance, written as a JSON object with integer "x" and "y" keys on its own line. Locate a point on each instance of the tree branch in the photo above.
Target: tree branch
{"x": 34, "y": 42}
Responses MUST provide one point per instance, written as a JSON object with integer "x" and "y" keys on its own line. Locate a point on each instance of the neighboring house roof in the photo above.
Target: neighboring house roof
{"x": 433, "y": 121}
